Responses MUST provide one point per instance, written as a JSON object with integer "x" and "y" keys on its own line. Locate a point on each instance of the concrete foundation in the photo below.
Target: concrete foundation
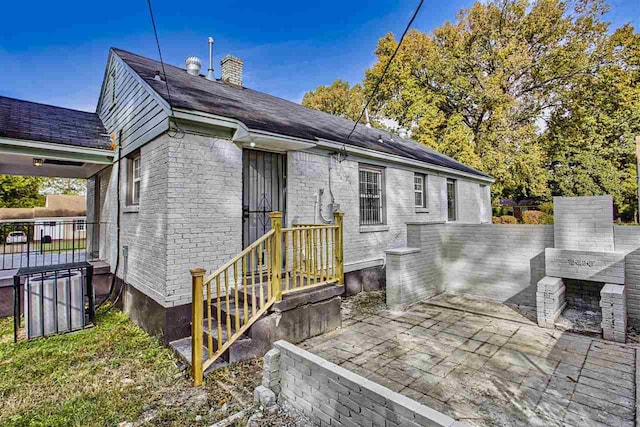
{"x": 365, "y": 280}
{"x": 296, "y": 323}
{"x": 166, "y": 323}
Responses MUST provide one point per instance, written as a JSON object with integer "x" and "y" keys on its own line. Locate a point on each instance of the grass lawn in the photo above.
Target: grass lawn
{"x": 55, "y": 246}
{"x": 110, "y": 374}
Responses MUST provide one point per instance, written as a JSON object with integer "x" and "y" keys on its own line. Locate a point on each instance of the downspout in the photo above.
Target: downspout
{"x": 115, "y": 272}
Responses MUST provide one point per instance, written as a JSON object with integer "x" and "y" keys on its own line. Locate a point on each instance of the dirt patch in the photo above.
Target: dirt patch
{"x": 364, "y": 303}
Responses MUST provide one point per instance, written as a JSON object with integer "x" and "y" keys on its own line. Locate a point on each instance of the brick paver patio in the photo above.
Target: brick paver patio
{"x": 485, "y": 370}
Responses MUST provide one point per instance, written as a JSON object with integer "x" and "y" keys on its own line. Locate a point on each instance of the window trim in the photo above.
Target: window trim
{"x": 383, "y": 210}
{"x": 132, "y": 180}
{"x": 455, "y": 199}
{"x": 424, "y": 206}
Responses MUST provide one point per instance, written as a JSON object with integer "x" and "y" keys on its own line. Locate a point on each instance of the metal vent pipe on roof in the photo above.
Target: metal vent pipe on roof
{"x": 194, "y": 65}
{"x": 210, "y": 75}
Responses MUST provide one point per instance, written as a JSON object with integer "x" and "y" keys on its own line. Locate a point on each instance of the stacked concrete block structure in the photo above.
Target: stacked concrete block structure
{"x": 614, "y": 312}
{"x": 550, "y": 300}
{"x": 584, "y": 250}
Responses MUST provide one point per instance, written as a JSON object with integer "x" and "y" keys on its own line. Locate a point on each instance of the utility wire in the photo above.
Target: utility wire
{"x": 164, "y": 73}
{"x": 384, "y": 72}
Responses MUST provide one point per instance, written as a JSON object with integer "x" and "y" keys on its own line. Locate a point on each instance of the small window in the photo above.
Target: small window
{"x": 79, "y": 225}
{"x": 452, "y": 212}
{"x": 420, "y": 190}
{"x": 134, "y": 180}
{"x": 371, "y": 196}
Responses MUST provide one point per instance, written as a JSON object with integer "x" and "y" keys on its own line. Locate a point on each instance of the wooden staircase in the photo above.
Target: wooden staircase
{"x": 228, "y": 302}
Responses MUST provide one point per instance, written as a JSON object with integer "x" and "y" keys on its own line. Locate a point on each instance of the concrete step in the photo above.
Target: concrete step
{"x": 301, "y": 282}
{"x": 183, "y": 349}
{"x": 241, "y": 349}
{"x": 233, "y": 309}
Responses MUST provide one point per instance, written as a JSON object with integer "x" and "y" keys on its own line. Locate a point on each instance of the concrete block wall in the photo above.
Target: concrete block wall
{"x": 330, "y": 395}
{"x": 407, "y": 276}
{"x": 498, "y": 261}
{"x": 627, "y": 240}
{"x": 505, "y": 262}
{"x": 584, "y": 223}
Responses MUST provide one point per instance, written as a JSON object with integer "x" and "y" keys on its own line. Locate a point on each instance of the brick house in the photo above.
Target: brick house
{"x": 202, "y": 162}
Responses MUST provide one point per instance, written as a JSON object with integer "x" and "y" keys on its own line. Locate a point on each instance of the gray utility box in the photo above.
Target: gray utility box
{"x": 54, "y": 303}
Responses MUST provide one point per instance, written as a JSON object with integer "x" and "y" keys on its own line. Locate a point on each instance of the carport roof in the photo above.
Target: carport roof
{"x": 32, "y": 121}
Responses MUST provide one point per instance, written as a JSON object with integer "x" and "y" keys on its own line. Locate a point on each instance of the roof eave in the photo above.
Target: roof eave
{"x": 244, "y": 136}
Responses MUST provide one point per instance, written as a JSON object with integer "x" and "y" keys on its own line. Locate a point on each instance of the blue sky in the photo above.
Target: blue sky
{"x": 55, "y": 51}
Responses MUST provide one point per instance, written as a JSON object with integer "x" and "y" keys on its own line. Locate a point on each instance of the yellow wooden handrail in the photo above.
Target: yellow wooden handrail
{"x": 236, "y": 258}
{"x": 298, "y": 258}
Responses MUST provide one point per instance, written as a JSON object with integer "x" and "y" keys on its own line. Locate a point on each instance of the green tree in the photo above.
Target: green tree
{"x": 20, "y": 191}
{"x": 339, "y": 99}
{"x": 589, "y": 140}
{"x": 539, "y": 94}
{"x": 476, "y": 88}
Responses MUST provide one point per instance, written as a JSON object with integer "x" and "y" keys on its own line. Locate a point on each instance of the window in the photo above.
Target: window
{"x": 420, "y": 190}
{"x": 371, "y": 195}
{"x": 134, "y": 180}
{"x": 79, "y": 225}
{"x": 452, "y": 213}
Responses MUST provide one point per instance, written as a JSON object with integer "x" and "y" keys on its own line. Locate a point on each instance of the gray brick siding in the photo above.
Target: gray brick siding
{"x": 190, "y": 211}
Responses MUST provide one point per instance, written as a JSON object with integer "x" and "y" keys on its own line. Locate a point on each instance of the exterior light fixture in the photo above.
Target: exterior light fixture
{"x": 252, "y": 144}
{"x": 38, "y": 162}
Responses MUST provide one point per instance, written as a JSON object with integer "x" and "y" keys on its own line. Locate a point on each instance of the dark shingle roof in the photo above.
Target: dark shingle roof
{"x": 260, "y": 111}
{"x": 39, "y": 122}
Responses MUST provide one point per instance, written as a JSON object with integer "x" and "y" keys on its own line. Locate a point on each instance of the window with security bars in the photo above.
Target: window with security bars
{"x": 371, "y": 196}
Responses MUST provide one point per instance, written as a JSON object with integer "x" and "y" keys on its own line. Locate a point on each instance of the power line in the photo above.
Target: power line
{"x": 164, "y": 73}
{"x": 384, "y": 72}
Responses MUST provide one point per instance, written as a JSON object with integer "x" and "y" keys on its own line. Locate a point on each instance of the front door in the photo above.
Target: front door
{"x": 263, "y": 190}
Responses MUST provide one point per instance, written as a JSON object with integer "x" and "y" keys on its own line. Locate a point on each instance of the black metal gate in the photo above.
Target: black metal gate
{"x": 264, "y": 176}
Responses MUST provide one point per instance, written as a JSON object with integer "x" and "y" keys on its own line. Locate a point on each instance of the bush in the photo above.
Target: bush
{"x": 532, "y": 217}
{"x": 546, "y": 219}
{"x": 496, "y": 220}
{"x": 547, "y": 207}
{"x": 508, "y": 219}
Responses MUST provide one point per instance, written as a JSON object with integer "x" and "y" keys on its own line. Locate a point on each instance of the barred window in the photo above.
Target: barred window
{"x": 371, "y": 196}
{"x": 420, "y": 190}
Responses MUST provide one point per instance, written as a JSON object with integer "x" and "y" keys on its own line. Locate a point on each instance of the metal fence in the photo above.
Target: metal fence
{"x": 52, "y": 300}
{"x": 45, "y": 243}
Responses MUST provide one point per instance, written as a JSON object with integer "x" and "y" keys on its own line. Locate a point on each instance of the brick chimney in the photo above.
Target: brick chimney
{"x": 232, "y": 70}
